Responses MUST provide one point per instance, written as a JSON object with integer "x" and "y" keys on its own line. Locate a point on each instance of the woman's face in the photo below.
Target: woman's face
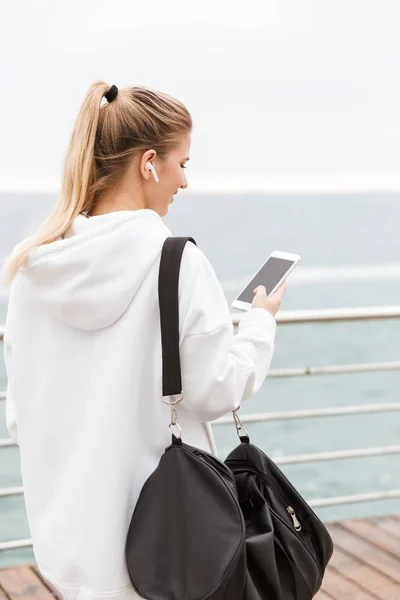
{"x": 171, "y": 175}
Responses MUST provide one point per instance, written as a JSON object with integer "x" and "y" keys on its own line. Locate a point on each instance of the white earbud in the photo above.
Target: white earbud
{"x": 152, "y": 169}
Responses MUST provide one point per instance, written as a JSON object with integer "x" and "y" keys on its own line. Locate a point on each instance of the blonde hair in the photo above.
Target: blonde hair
{"x": 104, "y": 140}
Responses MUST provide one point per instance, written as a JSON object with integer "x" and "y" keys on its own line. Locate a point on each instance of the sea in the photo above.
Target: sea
{"x": 350, "y": 257}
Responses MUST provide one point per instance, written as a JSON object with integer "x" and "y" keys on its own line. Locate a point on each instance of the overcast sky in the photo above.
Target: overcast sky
{"x": 284, "y": 94}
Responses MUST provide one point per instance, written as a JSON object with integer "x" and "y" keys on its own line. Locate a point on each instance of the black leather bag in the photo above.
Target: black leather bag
{"x": 206, "y": 529}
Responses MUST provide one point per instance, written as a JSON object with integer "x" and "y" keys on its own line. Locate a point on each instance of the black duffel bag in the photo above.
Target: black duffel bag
{"x": 206, "y": 529}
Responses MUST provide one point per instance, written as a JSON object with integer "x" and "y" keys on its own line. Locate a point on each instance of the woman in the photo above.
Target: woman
{"x": 82, "y": 342}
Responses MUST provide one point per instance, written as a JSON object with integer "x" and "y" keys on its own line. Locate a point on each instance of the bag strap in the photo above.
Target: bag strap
{"x": 168, "y": 296}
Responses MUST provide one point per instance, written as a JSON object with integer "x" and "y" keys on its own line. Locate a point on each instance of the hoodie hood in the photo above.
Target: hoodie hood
{"x": 88, "y": 278}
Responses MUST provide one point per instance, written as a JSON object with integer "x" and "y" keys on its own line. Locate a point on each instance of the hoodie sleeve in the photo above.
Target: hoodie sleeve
{"x": 11, "y": 418}
{"x": 219, "y": 369}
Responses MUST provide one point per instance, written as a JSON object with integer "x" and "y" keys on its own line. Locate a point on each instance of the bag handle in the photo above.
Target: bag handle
{"x": 168, "y": 296}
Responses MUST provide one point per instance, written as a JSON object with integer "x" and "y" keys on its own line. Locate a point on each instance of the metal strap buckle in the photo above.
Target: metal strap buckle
{"x": 174, "y": 423}
{"x": 238, "y": 422}
{"x": 178, "y": 398}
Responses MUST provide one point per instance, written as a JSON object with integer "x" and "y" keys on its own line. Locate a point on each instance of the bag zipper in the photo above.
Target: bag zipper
{"x": 296, "y": 523}
{"x": 289, "y": 508}
{"x": 299, "y": 537}
{"x": 247, "y": 464}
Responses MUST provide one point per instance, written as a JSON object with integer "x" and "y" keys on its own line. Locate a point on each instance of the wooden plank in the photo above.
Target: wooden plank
{"x": 367, "y": 552}
{"x": 3, "y": 595}
{"x": 47, "y": 583}
{"x": 365, "y": 565}
{"x": 374, "y": 534}
{"x": 321, "y": 595}
{"x": 21, "y": 583}
{"x": 396, "y": 517}
{"x": 364, "y": 575}
{"x": 389, "y": 524}
{"x": 340, "y": 588}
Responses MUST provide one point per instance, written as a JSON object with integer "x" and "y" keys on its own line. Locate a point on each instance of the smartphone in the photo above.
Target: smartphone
{"x": 272, "y": 274}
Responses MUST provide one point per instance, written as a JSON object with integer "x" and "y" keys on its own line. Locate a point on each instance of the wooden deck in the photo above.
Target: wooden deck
{"x": 365, "y": 565}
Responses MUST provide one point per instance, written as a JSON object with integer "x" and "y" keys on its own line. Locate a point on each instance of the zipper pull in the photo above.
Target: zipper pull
{"x": 296, "y": 523}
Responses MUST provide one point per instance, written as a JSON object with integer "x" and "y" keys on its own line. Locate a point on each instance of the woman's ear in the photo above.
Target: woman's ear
{"x": 147, "y": 156}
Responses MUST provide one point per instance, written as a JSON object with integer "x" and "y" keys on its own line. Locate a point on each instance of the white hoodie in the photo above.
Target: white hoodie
{"x": 82, "y": 350}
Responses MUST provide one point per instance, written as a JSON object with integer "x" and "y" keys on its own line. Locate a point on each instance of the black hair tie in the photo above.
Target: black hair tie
{"x": 111, "y": 94}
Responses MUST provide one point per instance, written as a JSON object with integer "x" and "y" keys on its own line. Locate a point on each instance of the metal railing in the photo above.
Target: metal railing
{"x": 297, "y": 317}
{"x": 322, "y": 315}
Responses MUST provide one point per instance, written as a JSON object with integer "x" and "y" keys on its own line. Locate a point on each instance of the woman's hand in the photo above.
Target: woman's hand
{"x": 270, "y": 303}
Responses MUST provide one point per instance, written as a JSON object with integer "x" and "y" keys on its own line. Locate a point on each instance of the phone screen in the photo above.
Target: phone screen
{"x": 270, "y": 273}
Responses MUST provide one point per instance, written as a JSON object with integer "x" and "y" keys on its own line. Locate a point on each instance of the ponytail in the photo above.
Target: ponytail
{"x": 102, "y": 143}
